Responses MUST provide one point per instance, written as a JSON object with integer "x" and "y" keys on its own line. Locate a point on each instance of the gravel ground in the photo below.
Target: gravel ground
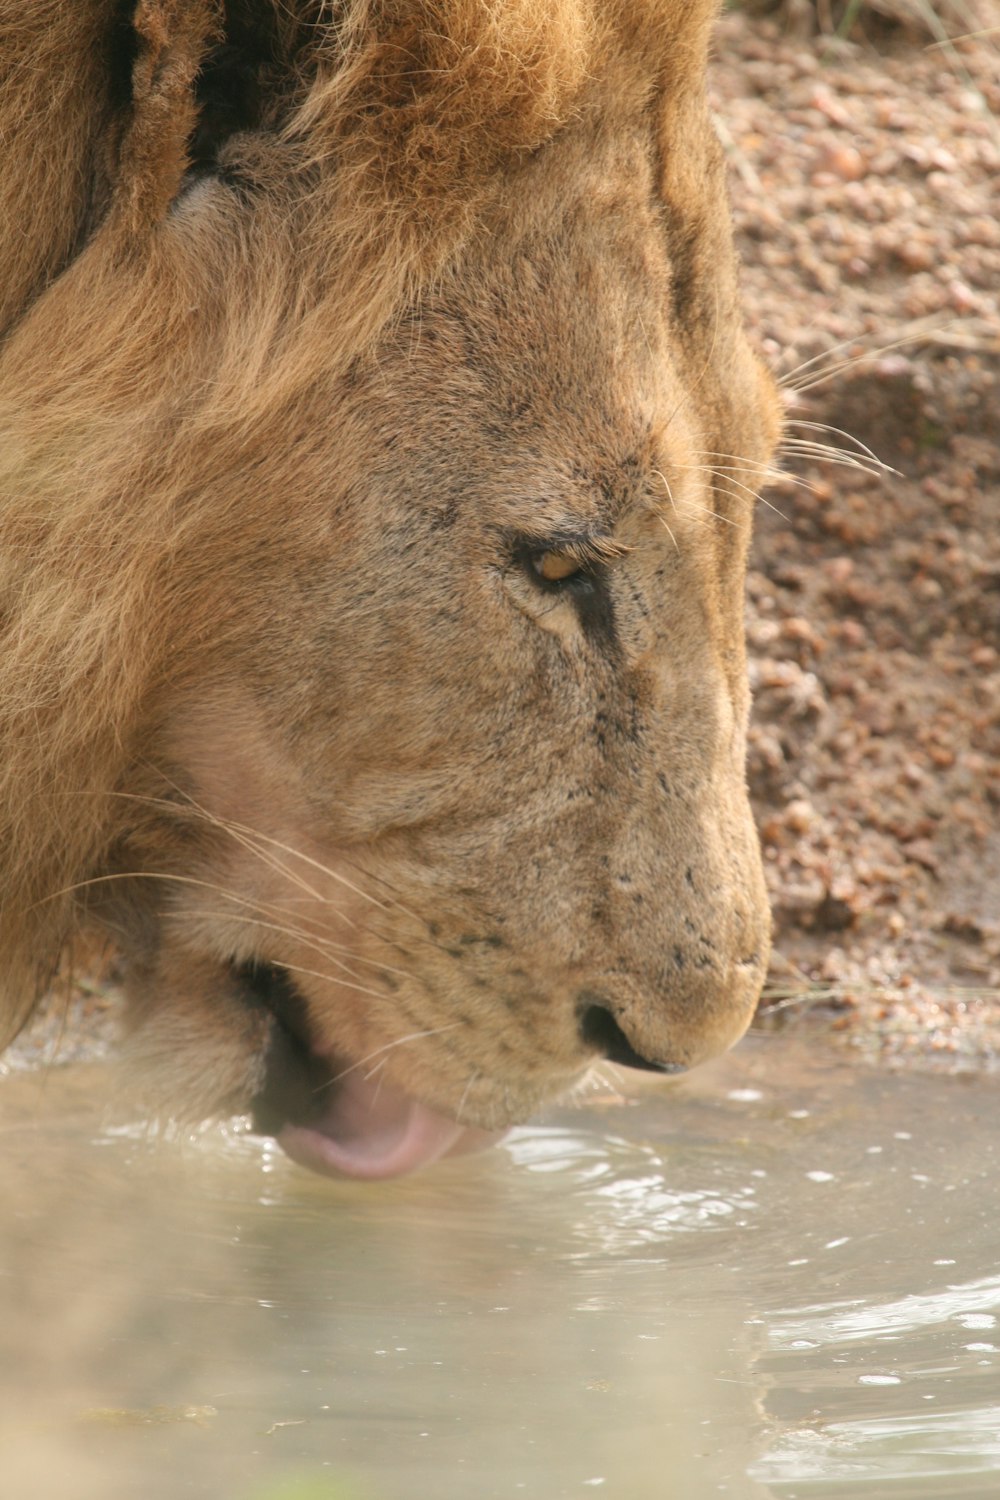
{"x": 866, "y": 179}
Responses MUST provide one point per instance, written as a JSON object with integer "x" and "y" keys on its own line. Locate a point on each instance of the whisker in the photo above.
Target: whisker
{"x": 740, "y": 462}
{"x": 233, "y": 828}
{"x": 316, "y": 942}
{"x": 473, "y": 1079}
{"x": 769, "y": 475}
{"x": 787, "y": 377}
{"x": 706, "y": 510}
{"x": 249, "y": 835}
{"x": 964, "y": 36}
{"x": 251, "y": 839}
{"x": 757, "y": 498}
{"x": 378, "y": 1068}
{"x": 943, "y": 40}
{"x": 920, "y": 329}
{"x": 346, "y": 984}
{"x": 108, "y": 879}
{"x": 414, "y": 1036}
{"x": 240, "y": 835}
{"x": 690, "y": 506}
{"x": 190, "y": 880}
{"x": 658, "y": 473}
{"x": 335, "y": 875}
{"x": 667, "y": 530}
{"x": 721, "y": 472}
{"x": 829, "y": 451}
{"x": 706, "y": 366}
{"x": 822, "y": 453}
{"x": 246, "y": 840}
{"x": 847, "y": 436}
{"x": 218, "y": 891}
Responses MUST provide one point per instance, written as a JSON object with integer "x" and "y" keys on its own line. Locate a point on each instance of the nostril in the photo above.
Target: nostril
{"x": 600, "y": 1031}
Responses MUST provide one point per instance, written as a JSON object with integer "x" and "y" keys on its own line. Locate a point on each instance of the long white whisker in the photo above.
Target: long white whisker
{"x": 769, "y": 475}
{"x": 745, "y": 489}
{"x": 248, "y": 841}
{"x": 315, "y": 942}
{"x": 667, "y": 530}
{"x": 414, "y": 1036}
{"x": 346, "y": 984}
{"x": 257, "y": 838}
{"x": 217, "y": 890}
{"x": 785, "y": 380}
{"x": 473, "y": 1078}
{"x": 822, "y": 453}
{"x": 658, "y": 473}
{"x": 921, "y": 328}
{"x": 238, "y": 833}
{"x": 249, "y": 835}
{"x": 234, "y": 829}
{"x": 335, "y": 875}
{"x": 706, "y": 510}
{"x": 378, "y": 1068}
{"x": 94, "y": 880}
{"x": 847, "y": 436}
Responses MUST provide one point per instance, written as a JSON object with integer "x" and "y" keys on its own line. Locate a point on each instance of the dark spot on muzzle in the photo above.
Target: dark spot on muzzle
{"x": 602, "y": 1034}
{"x": 295, "y": 1080}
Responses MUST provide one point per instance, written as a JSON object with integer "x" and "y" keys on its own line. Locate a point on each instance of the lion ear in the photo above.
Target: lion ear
{"x": 168, "y": 43}
{"x": 250, "y": 73}
{"x": 97, "y": 105}
{"x": 203, "y": 72}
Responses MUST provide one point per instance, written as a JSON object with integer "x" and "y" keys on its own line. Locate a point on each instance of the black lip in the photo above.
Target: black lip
{"x": 296, "y": 1082}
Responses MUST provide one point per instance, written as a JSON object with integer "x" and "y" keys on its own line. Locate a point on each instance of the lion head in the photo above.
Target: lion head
{"x": 380, "y": 448}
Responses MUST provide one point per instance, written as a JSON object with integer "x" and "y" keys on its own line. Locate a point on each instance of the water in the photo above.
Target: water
{"x": 778, "y": 1278}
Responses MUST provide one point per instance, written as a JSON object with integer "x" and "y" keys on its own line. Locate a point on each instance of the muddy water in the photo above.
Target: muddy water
{"x": 775, "y": 1279}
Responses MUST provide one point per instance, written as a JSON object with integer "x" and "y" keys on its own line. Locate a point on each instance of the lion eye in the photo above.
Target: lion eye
{"x": 556, "y": 567}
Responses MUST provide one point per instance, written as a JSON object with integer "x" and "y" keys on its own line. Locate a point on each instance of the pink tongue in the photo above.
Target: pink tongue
{"x": 372, "y": 1130}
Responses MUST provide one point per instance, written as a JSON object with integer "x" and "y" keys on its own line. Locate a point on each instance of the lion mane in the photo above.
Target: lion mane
{"x": 230, "y": 233}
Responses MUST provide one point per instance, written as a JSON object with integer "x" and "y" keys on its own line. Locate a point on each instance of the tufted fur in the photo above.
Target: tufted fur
{"x": 312, "y": 313}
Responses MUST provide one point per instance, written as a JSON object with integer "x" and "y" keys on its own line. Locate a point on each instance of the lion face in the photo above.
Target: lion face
{"x": 449, "y": 800}
{"x": 485, "y": 823}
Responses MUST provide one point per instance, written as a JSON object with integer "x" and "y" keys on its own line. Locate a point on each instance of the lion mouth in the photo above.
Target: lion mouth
{"x": 326, "y": 1112}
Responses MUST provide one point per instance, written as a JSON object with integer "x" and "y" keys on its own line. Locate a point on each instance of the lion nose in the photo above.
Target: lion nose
{"x": 601, "y": 1033}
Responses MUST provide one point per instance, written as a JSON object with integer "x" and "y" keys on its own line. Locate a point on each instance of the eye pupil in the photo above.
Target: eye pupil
{"x": 554, "y": 567}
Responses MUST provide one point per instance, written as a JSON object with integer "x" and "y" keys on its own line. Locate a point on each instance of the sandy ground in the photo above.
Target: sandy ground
{"x": 866, "y": 180}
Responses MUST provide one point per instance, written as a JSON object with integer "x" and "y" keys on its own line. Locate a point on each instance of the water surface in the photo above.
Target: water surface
{"x": 778, "y": 1278}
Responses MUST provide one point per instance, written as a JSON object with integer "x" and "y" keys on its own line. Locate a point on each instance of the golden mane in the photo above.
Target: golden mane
{"x": 159, "y": 334}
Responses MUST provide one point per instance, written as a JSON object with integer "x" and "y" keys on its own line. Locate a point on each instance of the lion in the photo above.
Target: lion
{"x": 380, "y": 442}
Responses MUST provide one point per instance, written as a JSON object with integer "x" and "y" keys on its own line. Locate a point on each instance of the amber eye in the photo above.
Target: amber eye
{"x": 555, "y": 567}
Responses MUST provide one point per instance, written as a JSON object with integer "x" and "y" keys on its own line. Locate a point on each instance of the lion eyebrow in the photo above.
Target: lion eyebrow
{"x": 588, "y": 548}
{"x": 593, "y": 547}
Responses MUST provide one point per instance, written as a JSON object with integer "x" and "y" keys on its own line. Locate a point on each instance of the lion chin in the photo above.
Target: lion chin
{"x": 379, "y": 448}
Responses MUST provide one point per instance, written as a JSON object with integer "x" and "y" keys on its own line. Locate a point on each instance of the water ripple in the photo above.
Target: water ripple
{"x": 841, "y": 1323}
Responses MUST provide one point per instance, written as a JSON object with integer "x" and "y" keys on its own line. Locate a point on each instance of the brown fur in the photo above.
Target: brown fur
{"x": 273, "y": 684}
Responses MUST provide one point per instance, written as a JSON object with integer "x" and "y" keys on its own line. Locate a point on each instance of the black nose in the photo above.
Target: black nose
{"x": 601, "y": 1032}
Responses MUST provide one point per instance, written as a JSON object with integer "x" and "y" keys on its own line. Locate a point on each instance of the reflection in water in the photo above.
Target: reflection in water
{"x": 937, "y": 1453}
{"x": 916, "y": 1355}
{"x": 771, "y": 1279}
{"x": 971, "y": 1305}
{"x": 627, "y": 1203}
